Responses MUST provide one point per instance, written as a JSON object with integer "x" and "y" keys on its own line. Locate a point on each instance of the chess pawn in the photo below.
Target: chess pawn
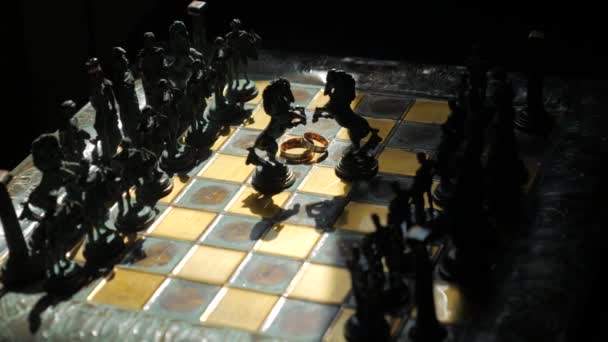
{"x": 243, "y": 45}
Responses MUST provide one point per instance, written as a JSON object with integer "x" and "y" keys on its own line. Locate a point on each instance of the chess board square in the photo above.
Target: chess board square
{"x": 266, "y": 273}
{"x": 315, "y": 211}
{"x": 208, "y": 195}
{"x": 182, "y": 224}
{"x": 209, "y": 265}
{"x": 289, "y": 240}
{"x": 179, "y": 182}
{"x": 323, "y": 180}
{"x": 302, "y": 320}
{"x": 335, "y": 333}
{"x": 385, "y": 126}
{"x": 299, "y": 171}
{"x": 241, "y": 309}
{"x": 428, "y": 111}
{"x": 155, "y": 255}
{"x": 258, "y": 120}
{"x": 448, "y": 302}
{"x": 358, "y": 217}
{"x": 401, "y": 162}
{"x": 416, "y": 137}
{"x": 240, "y": 141}
{"x": 236, "y": 232}
{"x": 261, "y": 85}
{"x": 386, "y": 107}
{"x": 182, "y": 299}
{"x": 86, "y": 290}
{"x": 219, "y": 142}
{"x": 335, "y": 151}
{"x": 126, "y": 288}
{"x": 228, "y": 168}
{"x": 322, "y": 283}
{"x": 250, "y": 202}
{"x": 379, "y": 189}
{"x": 321, "y": 100}
{"x": 303, "y": 94}
{"x": 335, "y": 248}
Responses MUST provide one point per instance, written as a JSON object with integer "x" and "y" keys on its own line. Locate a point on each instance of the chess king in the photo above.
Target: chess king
{"x": 271, "y": 175}
{"x": 357, "y": 162}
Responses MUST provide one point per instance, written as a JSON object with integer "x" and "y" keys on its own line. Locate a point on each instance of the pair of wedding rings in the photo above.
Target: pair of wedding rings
{"x": 309, "y": 148}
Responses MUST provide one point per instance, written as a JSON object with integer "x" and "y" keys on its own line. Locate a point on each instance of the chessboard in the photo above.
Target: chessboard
{"x": 222, "y": 256}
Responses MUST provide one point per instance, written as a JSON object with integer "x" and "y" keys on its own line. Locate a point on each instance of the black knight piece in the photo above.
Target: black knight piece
{"x": 271, "y": 175}
{"x": 357, "y": 162}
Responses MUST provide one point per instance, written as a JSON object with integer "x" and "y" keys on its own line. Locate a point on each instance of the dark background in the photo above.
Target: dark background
{"x": 53, "y": 40}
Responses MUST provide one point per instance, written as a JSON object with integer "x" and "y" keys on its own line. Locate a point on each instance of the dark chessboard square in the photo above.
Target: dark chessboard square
{"x": 304, "y": 320}
{"x": 236, "y": 232}
{"x": 335, "y": 151}
{"x": 386, "y": 107}
{"x": 240, "y": 141}
{"x": 315, "y": 210}
{"x": 336, "y": 248}
{"x": 379, "y": 189}
{"x": 182, "y": 299}
{"x": 265, "y": 273}
{"x": 303, "y": 94}
{"x": 328, "y": 128}
{"x": 156, "y": 255}
{"x": 416, "y": 137}
{"x": 208, "y": 194}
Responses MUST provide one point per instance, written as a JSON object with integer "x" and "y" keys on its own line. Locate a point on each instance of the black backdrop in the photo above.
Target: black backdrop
{"x": 55, "y": 38}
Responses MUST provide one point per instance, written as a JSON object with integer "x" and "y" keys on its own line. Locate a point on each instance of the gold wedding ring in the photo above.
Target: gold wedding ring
{"x": 296, "y": 144}
{"x": 316, "y": 142}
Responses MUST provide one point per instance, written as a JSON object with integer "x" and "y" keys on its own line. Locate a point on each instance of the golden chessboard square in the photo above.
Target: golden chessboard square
{"x": 126, "y": 288}
{"x": 384, "y": 125}
{"x": 261, "y": 85}
{"x": 322, "y": 283}
{"x": 221, "y": 140}
{"x": 397, "y": 161}
{"x": 183, "y": 224}
{"x": 210, "y": 265}
{"x": 428, "y": 111}
{"x": 323, "y": 180}
{"x": 251, "y": 203}
{"x": 335, "y": 333}
{"x": 178, "y": 184}
{"x": 321, "y": 100}
{"x": 258, "y": 120}
{"x": 228, "y": 168}
{"x": 357, "y": 217}
{"x": 241, "y": 309}
{"x": 289, "y": 240}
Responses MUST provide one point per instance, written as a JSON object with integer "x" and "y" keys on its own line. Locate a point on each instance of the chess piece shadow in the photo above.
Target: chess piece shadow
{"x": 283, "y": 215}
{"x": 323, "y": 212}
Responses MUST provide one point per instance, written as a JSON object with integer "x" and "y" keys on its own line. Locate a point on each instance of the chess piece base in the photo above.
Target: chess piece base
{"x": 203, "y": 137}
{"x": 229, "y": 114}
{"x": 271, "y": 180}
{"x": 396, "y": 296}
{"x": 150, "y": 192}
{"x": 67, "y": 283}
{"x": 241, "y": 91}
{"x": 352, "y": 167}
{"x": 355, "y": 331}
{"x": 177, "y": 162}
{"x": 136, "y": 219}
{"x": 104, "y": 250}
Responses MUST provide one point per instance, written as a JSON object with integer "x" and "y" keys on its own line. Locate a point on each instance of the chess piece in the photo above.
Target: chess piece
{"x": 446, "y": 151}
{"x": 423, "y": 182}
{"x": 271, "y": 175}
{"x": 477, "y": 67}
{"x": 357, "y": 162}
{"x": 21, "y": 267}
{"x": 124, "y": 86}
{"x": 534, "y": 118}
{"x": 180, "y": 56}
{"x": 133, "y": 215}
{"x": 243, "y": 46}
{"x": 199, "y": 89}
{"x": 152, "y": 67}
{"x": 426, "y": 328}
{"x": 106, "y": 116}
{"x": 72, "y": 139}
{"x": 196, "y": 9}
{"x": 177, "y": 157}
{"x": 368, "y": 322}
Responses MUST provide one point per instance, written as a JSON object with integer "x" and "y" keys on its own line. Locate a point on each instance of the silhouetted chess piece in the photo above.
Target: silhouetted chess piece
{"x": 180, "y": 56}
{"x": 21, "y": 268}
{"x": 368, "y": 322}
{"x": 446, "y": 152}
{"x": 534, "y": 118}
{"x": 477, "y": 68}
{"x": 243, "y": 46}
{"x": 423, "y": 182}
{"x": 271, "y": 175}
{"x": 106, "y": 115}
{"x": 152, "y": 68}
{"x": 358, "y": 161}
{"x": 124, "y": 87}
{"x": 200, "y": 87}
{"x": 72, "y": 139}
